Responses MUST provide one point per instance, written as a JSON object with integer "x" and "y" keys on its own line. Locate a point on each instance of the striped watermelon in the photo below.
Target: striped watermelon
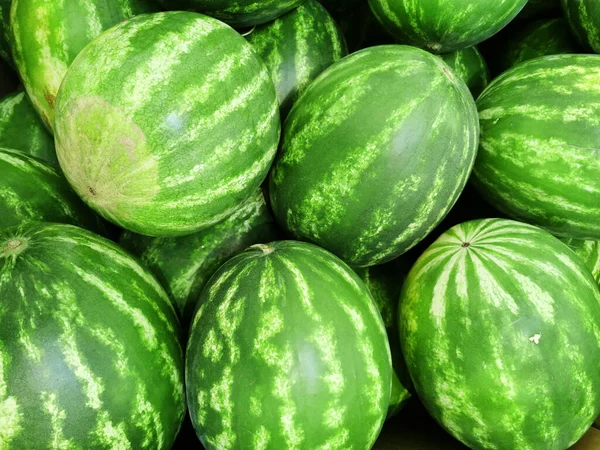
{"x": 89, "y": 345}
{"x": 297, "y": 47}
{"x": 537, "y": 160}
{"x": 287, "y": 351}
{"x": 237, "y": 13}
{"x": 500, "y": 328}
{"x": 185, "y": 264}
{"x": 589, "y": 252}
{"x": 32, "y": 191}
{"x": 375, "y": 153}
{"x": 444, "y": 26}
{"x": 22, "y": 129}
{"x": 43, "y": 51}
{"x": 159, "y": 146}
{"x": 5, "y": 52}
{"x": 469, "y": 65}
{"x": 584, "y": 18}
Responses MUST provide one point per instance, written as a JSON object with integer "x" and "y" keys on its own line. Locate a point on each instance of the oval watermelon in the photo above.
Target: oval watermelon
{"x": 444, "y": 26}
{"x": 89, "y": 345}
{"x": 297, "y": 47}
{"x": 500, "y": 327}
{"x": 375, "y": 153}
{"x": 159, "y": 146}
{"x": 287, "y": 350}
{"x": 22, "y": 129}
{"x": 43, "y": 50}
{"x": 186, "y": 263}
{"x": 538, "y": 159}
{"x": 584, "y": 18}
{"x": 469, "y": 65}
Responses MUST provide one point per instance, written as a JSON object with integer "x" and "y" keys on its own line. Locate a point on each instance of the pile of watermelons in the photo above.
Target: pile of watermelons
{"x": 292, "y": 224}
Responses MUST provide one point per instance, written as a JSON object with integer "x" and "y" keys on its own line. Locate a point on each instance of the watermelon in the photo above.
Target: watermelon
{"x": 535, "y": 39}
{"x": 89, "y": 345}
{"x": 444, "y": 26}
{"x": 540, "y": 8}
{"x": 469, "y": 65}
{"x": 584, "y": 18}
{"x": 287, "y": 351}
{"x": 33, "y": 191}
{"x": 159, "y": 146}
{"x": 5, "y": 52}
{"x": 500, "y": 327}
{"x": 589, "y": 252}
{"x": 43, "y": 51}
{"x": 237, "y": 13}
{"x": 184, "y": 264}
{"x": 375, "y": 153}
{"x": 22, "y": 129}
{"x": 297, "y": 47}
{"x": 538, "y": 161}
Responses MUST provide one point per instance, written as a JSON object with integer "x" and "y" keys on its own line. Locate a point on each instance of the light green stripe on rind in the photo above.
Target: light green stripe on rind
{"x": 303, "y": 361}
{"x": 495, "y": 319}
{"x": 469, "y": 65}
{"x": 107, "y": 330}
{"x": 358, "y": 172}
{"x": 537, "y": 160}
{"x": 185, "y": 148}
{"x": 297, "y": 47}
{"x": 584, "y": 18}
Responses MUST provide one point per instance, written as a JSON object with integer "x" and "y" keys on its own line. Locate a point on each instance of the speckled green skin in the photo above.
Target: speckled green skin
{"x": 287, "y": 351}
{"x": 584, "y": 18}
{"x": 185, "y": 264}
{"x": 374, "y": 154}
{"x": 32, "y": 191}
{"x": 89, "y": 345}
{"x": 5, "y": 52}
{"x": 540, "y": 8}
{"x": 237, "y": 13}
{"x": 156, "y": 145}
{"x": 297, "y": 47}
{"x": 539, "y": 38}
{"x": 22, "y": 129}
{"x": 500, "y": 327}
{"x": 537, "y": 160}
{"x": 444, "y": 26}
{"x": 469, "y": 65}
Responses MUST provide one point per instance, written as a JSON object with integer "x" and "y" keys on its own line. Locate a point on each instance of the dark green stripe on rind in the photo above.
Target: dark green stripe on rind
{"x": 297, "y": 47}
{"x": 500, "y": 328}
{"x": 469, "y": 65}
{"x": 22, "y": 129}
{"x": 156, "y": 145}
{"x": 538, "y": 159}
{"x": 287, "y": 351}
{"x": 47, "y": 36}
{"x": 89, "y": 345}
{"x": 33, "y": 191}
{"x": 375, "y": 153}
{"x": 444, "y": 26}
{"x": 185, "y": 264}
{"x": 584, "y": 18}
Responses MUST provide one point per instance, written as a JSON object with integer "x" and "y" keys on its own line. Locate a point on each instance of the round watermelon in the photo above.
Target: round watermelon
{"x": 287, "y": 350}
{"x": 166, "y": 123}
{"x": 444, "y": 26}
{"x": 33, "y": 191}
{"x": 90, "y": 355}
{"x": 297, "y": 47}
{"x": 43, "y": 50}
{"x": 500, "y": 327}
{"x": 237, "y": 13}
{"x": 375, "y": 153}
{"x": 469, "y": 65}
{"x": 184, "y": 264}
{"x": 22, "y": 129}
{"x": 584, "y": 18}
{"x": 538, "y": 159}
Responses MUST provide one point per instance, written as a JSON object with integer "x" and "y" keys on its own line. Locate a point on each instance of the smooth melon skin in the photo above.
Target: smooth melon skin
{"x": 584, "y": 18}
{"x": 154, "y": 144}
{"x": 287, "y": 351}
{"x": 444, "y": 26}
{"x": 90, "y": 347}
{"x": 537, "y": 160}
{"x": 237, "y": 13}
{"x": 500, "y": 328}
{"x": 374, "y": 154}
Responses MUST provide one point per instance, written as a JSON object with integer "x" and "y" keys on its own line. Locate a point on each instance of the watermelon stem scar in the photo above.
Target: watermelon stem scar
{"x": 14, "y": 247}
{"x": 266, "y": 249}
{"x": 465, "y": 244}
